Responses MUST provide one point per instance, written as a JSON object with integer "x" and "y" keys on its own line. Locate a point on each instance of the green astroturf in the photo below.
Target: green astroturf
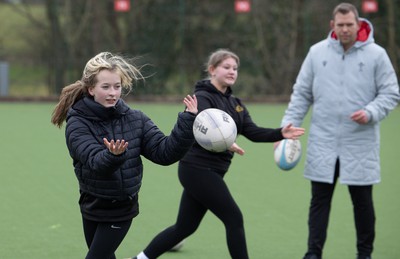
{"x": 39, "y": 214}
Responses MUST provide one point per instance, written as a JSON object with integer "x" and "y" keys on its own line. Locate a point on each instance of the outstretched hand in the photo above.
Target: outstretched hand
{"x": 191, "y": 104}
{"x": 116, "y": 148}
{"x": 291, "y": 132}
{"x": 235, "y": 148}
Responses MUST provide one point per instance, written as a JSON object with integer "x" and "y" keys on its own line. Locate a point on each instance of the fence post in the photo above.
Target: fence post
{"x": 3, "y": 78}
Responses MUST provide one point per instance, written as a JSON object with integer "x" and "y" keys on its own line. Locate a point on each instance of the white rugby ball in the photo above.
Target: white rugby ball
{"x": 287, "y": 154}
{"x": 214, "y": 130}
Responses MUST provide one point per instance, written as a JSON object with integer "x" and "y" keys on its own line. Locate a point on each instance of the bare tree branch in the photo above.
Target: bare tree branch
{"x": 25, "y": 11}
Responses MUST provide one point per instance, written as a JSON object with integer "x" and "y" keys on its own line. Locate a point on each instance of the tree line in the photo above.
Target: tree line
{"x": 173, "y": 39}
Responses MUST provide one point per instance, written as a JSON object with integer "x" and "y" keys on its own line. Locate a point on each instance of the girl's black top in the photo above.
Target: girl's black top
{"x": 209, "y": 97}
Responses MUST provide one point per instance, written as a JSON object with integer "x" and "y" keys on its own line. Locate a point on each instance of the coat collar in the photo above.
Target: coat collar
{"x": 91, "y": 109}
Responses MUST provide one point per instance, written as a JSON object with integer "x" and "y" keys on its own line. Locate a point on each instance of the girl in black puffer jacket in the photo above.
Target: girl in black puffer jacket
{"x": 106, "y": 140}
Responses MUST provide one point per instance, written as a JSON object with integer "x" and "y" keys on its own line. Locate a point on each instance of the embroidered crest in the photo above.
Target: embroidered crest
{"x": 360, "y": 66}
{"x": 239, "y": 108}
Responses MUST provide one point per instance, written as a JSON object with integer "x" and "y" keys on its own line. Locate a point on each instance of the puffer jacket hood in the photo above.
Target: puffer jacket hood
{"x": 92, "y": 110}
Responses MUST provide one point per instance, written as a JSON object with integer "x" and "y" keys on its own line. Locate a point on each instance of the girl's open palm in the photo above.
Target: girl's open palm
{"x": 191, "y": 104}
{"x": 116, "y": 147}
{"x": 292, "y": 132}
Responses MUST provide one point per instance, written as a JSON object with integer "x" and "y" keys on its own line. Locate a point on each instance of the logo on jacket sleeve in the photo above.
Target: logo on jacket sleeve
{"x": 239, "y": 108}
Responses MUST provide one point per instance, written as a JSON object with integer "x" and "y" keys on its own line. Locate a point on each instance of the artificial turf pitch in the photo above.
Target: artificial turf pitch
{"x": 39, "y": 193}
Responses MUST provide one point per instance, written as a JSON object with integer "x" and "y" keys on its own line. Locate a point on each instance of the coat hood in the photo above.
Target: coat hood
{"x": 206, "y": 85}
{"x": 365, "y": 34}
{"x": 90, "y": 109}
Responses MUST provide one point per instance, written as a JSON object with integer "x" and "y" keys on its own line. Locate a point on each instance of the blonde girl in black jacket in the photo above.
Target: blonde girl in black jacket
{"x": 106, "y": 140}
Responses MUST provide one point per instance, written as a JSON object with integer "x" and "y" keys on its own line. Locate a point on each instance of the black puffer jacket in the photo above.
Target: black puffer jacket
{"x": 104, "y": 175}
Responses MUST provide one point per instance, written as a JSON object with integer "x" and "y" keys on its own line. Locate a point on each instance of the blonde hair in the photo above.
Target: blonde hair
{"x": 105, "y": 60}
{"x": 219, "y": 56}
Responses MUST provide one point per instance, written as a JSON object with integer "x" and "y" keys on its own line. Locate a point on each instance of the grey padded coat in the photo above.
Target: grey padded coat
{"x": 336, "y": 84}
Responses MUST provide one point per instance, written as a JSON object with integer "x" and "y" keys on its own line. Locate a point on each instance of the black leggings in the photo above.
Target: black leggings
{"x": 204, "y": 189}
{"x": 103, "y": 238}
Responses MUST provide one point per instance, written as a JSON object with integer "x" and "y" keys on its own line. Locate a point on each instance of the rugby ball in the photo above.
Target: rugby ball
{"x": 214, "y": 130}
{"x": 287, "y": 154}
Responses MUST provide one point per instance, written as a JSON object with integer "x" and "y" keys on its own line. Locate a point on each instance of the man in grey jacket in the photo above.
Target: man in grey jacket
{"x": 350, "y": 85}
